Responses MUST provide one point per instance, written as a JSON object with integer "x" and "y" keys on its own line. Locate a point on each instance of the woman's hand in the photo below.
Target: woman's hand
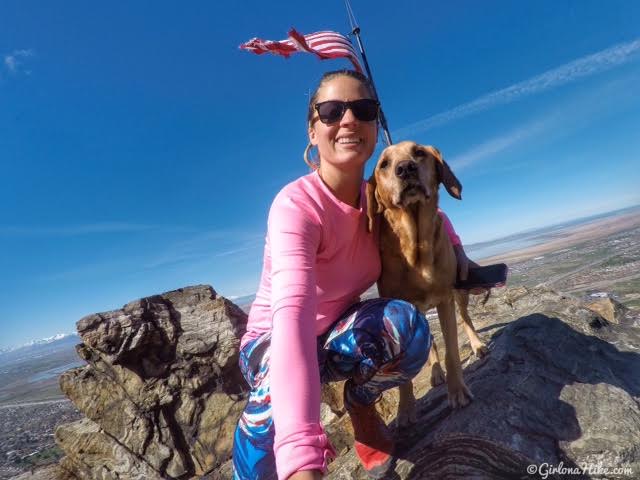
{"x": 306, "y": 475}
{"x": 463, "y": 268}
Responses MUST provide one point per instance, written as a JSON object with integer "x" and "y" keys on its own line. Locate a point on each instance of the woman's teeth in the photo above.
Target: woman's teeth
{"x": 348, "y": 141}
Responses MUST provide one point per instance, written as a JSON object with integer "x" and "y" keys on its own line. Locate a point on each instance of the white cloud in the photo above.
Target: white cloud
{"x": 569, "y": 72}
{"x": 564, "y": 118}
{"x": 14, "y": 61}
{"x": 249, "y": 247}
{"x": 182, "y": 258}
{"x": 497, "y": 144}
{"x": 10, "y": 63}
{"x": 198, "y": 248}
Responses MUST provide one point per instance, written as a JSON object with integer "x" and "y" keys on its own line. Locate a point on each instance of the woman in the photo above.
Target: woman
{"x": 306, "y": 325}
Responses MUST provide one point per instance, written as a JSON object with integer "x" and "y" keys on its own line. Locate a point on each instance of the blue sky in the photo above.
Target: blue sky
{"x": 140, "y": 148}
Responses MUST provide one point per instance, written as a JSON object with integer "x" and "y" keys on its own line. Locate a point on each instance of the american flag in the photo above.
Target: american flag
{"x": 326, "y": 44}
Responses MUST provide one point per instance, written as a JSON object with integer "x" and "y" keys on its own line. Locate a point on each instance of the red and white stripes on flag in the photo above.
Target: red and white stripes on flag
{"x": 324, "y": 45}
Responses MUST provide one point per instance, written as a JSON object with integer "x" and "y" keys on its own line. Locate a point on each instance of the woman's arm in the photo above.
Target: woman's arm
{"x": 463, "y": 261}
{"x": 294, "y": 236}
{"x": 448, "y": 227}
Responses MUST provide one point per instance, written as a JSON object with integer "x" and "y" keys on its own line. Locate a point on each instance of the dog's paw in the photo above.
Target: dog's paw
{"x": 459, "y": 396}
{"x": 480, "y": 351}
{"x": 406, "y": 418}
{"x": 437, "y": 375}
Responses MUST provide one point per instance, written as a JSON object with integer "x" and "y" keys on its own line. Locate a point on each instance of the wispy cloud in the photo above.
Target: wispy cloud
{"x": 208, "y": 246}
{"x": 199, "y": 250}
{"x": 569, "y": 72}
{"x": 180, "y": 257}
{"x": 233, "y": 251}
{"x": 92, "y": 271}
{"x": 496, "y": 145}
{"x": 14, "y": 62}
{"x": 564, "y": 118}
{"x": 72, "y": 230}
{"x": 167, "y": 259}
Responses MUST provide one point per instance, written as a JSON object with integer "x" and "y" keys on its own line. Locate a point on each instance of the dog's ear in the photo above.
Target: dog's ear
{"x": 374, "y": 207}
{"x": 446, "y": 176}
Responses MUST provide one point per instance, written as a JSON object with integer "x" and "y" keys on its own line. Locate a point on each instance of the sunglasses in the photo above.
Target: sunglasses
{"x": 365, "y": 110}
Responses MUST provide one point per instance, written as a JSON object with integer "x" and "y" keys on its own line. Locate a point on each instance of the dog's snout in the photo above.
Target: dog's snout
{"x": 406, "y": 169}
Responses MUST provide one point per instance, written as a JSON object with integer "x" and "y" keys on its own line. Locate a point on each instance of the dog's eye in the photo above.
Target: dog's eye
{"x": 419, "y": 153}
{"x": 384, "y": 164}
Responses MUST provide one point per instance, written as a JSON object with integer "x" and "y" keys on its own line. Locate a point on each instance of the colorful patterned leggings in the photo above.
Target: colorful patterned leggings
{"x": 376, "y": 345}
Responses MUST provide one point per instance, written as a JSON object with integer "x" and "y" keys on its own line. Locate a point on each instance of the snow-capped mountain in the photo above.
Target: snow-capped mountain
{"x": 40, "y": 347}
{"x": 42, "y": 341}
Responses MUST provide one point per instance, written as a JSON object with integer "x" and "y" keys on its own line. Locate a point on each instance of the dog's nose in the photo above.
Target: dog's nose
{"x": 406, "y": 169}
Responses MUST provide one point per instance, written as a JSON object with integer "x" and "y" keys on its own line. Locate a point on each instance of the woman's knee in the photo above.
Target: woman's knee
{"x": 404, "y": 323}
{"x": 373, "y": 334}
{"x": 407, "y": 330}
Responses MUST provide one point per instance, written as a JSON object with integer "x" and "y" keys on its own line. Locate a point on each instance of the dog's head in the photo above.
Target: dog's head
{"x": 408, "y": 173}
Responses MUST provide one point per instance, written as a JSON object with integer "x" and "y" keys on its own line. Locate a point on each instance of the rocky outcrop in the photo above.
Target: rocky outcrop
{"x": 609, "y": 309}
{"x": 161, "y": 394}
{"x": 161, "y": 391}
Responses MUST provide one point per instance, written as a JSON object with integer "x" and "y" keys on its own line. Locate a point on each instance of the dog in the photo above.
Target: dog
{"x": 418, "y": 261}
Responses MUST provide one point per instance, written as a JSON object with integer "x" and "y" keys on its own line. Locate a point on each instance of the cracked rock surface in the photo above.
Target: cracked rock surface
{"x": 161, "y": 392}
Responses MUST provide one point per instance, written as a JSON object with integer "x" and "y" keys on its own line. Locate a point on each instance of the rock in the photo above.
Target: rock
{"x": 50, "y": 472}
{"x": 91, "y": 453}
{"x": 162, "y": 393}
{"x": 609, "y": 309}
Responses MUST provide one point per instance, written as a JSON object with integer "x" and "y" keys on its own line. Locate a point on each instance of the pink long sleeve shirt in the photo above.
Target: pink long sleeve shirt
{"x": 318, "y": 259}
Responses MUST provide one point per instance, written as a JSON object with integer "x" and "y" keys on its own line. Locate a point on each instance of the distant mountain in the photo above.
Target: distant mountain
{"x": 39, "y": 348}
{"x": 244, "y": 302}
{"x": 43, "y": 341}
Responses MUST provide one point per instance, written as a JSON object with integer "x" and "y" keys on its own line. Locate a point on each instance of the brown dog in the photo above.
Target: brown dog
{"x": 418, "y": 261}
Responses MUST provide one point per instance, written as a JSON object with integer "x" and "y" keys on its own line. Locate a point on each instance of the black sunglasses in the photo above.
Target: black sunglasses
{"x": 331, "y": 111}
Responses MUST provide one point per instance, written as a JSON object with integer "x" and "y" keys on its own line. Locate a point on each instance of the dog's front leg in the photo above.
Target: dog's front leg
{"x": 477, "y": 346}
{"x": 459, "y": 393}
{"x": 406, "y": 405}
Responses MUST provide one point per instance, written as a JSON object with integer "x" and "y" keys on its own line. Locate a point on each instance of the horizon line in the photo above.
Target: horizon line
{"x": 554, "y": 224}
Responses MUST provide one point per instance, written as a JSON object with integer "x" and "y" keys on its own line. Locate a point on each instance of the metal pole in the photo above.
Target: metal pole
{"x": 356, "y": 32}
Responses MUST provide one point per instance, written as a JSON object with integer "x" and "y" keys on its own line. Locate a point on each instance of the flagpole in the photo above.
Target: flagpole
{"x": 355, "y": 30}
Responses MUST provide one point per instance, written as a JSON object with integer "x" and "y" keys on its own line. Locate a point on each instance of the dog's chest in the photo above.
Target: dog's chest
{"x": 418, "y": 280}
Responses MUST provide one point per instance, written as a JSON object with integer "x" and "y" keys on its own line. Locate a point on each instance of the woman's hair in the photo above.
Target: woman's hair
{"x": 327, "y": 77}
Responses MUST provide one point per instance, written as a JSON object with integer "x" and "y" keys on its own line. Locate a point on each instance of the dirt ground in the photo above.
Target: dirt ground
{"x": 573, "y": 235}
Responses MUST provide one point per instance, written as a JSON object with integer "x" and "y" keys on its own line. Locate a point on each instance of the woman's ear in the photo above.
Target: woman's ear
{"x": 313, "y": 137}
